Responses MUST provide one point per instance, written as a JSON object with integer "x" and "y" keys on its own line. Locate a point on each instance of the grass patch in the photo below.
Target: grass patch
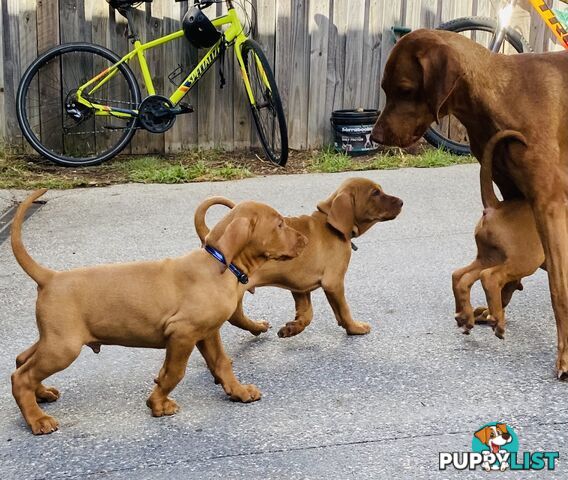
{"x": 156, "y": 170}
{"x": 28, "y": 172}
{"x": 329, "y": 161}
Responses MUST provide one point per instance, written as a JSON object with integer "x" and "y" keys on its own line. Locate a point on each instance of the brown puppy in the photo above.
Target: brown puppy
{"x": 431, "y": 73}
{"x": 348, "y": 213}
{"x": 175, "y": 304}
{"x": 508, "y": 249}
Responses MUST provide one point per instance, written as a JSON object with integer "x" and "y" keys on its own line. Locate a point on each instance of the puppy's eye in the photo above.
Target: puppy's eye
{"x": 492, "y": 435}
{"x": 376, "y": 193}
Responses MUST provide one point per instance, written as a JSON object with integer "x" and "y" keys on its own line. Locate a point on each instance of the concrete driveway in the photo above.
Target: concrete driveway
{"x": 379, "y": 406}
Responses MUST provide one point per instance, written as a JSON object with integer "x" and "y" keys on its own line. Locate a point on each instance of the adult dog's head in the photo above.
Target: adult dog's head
{"x": 357, "y": 205}
{"x": 256, "y": 231}
{"x": 421, "y": 74}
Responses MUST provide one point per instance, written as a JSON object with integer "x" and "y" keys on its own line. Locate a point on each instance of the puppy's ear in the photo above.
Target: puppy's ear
{"x": 340, "y": 211}
{"x": 233, "y": 239}
{"x": 502, "y": 428}
{"x": 441, "y": 72}
{"x": 483, "y": 435}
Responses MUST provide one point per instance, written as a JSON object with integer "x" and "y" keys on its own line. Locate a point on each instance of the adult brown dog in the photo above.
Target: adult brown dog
{"x": 508, "y": 249}
{"x": 431, "y": 73}
{"x": 349, "y": 212}
{"x": 175, "y": 304}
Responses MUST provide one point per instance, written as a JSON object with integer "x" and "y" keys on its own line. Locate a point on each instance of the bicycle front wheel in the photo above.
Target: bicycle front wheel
{"x": 267, "y": 110}
{"x": 449, "y": 134}
{"x": 64, "y": 130}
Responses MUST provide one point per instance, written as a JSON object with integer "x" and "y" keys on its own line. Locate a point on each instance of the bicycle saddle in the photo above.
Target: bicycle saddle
{"x": 123, "y": 4}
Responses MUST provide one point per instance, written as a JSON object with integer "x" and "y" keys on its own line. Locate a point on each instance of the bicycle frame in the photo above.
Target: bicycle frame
{"x": 543, "y": 10}
{"x": 234, "y": 33}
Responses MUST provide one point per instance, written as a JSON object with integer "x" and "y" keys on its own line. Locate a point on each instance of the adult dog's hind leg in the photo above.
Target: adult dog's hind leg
{"x": 43, "y": 393}
{"x": 240, "y": 320}
{"x": 304, "y": 315}
{"x": 221, "y": 368}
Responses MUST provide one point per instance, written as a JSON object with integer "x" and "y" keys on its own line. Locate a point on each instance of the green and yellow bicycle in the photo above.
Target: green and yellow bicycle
{"x": 75, "y": 116}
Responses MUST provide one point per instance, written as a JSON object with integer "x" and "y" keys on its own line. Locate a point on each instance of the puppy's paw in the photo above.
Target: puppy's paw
{"x": 44, "y": 425}
{"x": 259, "y": 327}
{"x": 162, "y": 407}
{"x": 245, "y": 394}
{"x": 358, "y": 328}
{"x": 47, "y": 394}
{"x": 290, "y": 329}
{"x": 461, "y": 319}
{"x": 499, "y": 332}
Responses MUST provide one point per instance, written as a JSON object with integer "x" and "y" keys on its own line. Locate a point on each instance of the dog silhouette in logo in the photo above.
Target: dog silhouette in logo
{"x": 495, "y": 437}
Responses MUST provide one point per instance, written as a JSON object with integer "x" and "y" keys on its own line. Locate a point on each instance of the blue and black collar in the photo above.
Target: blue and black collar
{"x": 241, "y": 276}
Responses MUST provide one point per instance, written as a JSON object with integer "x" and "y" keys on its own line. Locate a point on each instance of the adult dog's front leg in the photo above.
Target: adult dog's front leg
{"x": 336, "y": 298}
{"x": 221, "y": 368}
{"x": 552, "y": 225}
{"x": 304, "y": 315}
{"x": 240, "y": 320}
{"x": 178, "y": 350}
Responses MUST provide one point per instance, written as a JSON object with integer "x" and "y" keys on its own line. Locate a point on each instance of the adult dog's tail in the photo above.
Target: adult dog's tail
{"x": 39, "y": 273}
{"x": 488, "y": 196}
{"x": 199, "y": 218}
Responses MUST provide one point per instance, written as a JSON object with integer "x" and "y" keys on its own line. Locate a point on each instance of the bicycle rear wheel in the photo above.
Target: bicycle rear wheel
{"x": 64, "y": 130}
{"x": 449, "y": 134}
{"x": 267, "y": 110}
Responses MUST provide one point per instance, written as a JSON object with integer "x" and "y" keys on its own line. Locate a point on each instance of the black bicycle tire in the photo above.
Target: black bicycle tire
{"x": 29, "y": 75}
{"x": 252, "y": 45}
{"x": 517, "y": 41}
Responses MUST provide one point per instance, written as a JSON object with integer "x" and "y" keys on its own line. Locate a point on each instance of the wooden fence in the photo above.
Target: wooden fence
{"x": 327, "y": 54}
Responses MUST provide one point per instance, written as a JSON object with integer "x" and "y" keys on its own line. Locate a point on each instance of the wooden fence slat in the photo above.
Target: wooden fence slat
{"x": 337, "y": 39}
{"x": 372, "y": 56}
{"x": 2, "y": 114}
{"x": 10, "y": 30}
{"x": 28, "y": 53}
{"x": 354, "y": 61}
{"x": 318, "y": 111}
{"x": 242, "y": 118}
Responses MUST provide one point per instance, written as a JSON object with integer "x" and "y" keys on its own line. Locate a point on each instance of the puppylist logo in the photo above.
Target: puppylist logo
{"x": 495, "y": 446}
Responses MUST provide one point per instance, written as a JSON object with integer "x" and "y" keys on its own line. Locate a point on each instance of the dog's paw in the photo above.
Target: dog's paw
{"x": 290, "y": 329}
{"x": 44, "y": 425}
{"x": 358, "y": 328}
{"x": 461, "y": 319}
{"x": 499, "y": 330}
{"x": 46, "y": 394}
{"x": 246, "y": 394}
{"x": 162, "y": 407}
{"x": 504, "y": 466}
{"x": 259, "y": 327}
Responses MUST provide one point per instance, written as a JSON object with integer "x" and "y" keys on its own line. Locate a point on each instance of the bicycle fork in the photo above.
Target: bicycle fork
{"x": 505, "y": 15}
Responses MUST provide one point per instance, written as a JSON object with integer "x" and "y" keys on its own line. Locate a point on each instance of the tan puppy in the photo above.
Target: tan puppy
{"x": 348, "y": 213}
{"x": 175, "y": 304}
{"x": 508, "y": 249}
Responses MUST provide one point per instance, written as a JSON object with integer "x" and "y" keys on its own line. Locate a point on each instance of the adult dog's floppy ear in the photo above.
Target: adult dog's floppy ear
{"x": 340, "y": 211}
{"x": 441, "y": 72}
{"x": 483, "y": 435}
{"x": 233, "y": 239}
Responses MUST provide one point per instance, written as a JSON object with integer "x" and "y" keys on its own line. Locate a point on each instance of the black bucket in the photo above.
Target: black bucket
{"x": 352, "y": 131}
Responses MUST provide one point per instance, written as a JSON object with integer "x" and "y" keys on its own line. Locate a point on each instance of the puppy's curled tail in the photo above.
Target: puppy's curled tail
{"x": 39, "y": 273}
{"x": 488, "y": 196}
{"x": 199, "y": 218}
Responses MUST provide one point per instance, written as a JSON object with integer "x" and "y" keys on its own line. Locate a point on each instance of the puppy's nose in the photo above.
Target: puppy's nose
{"x": 399, "y": 202}
{"x": 506, "y": 436}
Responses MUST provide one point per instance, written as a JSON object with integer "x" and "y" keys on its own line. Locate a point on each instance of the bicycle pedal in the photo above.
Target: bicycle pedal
{"x": 183, "y": 108}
